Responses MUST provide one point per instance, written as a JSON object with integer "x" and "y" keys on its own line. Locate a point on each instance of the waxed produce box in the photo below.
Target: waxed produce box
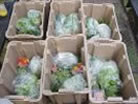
{"x": 100, "y": 22}
{"x": 16, "y": 79}
{"x": 59, "y": 49}
{"x": 27, "y": 21}
{"x": 106, "y": 62}
{"x": 65, "y": 18}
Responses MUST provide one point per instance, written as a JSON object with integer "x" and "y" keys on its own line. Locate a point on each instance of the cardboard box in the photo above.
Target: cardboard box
{"x": 66, "y": 8}
{"x": 20, "y": 10}
{"x": 66, "y": 44}
{"x": 106, "y": 12}
{"x": 116, "y": 51}
{"x": 47, "y": 1}
{"x": 17, "y": 49}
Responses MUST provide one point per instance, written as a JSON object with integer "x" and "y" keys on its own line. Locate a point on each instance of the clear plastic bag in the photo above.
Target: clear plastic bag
{"x": 3, "y": 10}
{"x": 5, "y": 101}
{"x": 105, "y": 76}
{"x": 65, "y": 60}
{"x": 75, "y": 83}
{"x": 104, "y": 31}
{"x": 24, "y": 84}
{"x": 34, "y": 16}
{"x": 58, "y": 79}
{"x": 24, "y": 26}
{"x": 109, "y": 79}
{"x": 91, "y": 25}
{"x": 72, "y": 24}
{"x": 35, "y": 65}
{"x": 67, "y": 25}
{"x": 95, "y": 64}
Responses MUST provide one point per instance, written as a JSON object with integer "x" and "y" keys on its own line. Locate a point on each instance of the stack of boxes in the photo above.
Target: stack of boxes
{"x": 48, "y": 44}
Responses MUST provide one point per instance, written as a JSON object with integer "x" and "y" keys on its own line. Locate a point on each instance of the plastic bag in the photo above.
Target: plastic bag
{"x": 59, "y": 24}
{"x": 75, "y": 83}
{"x": 109, "y": 79}
{"x": 33, "y": 30}
{"x": 5, "y": 101}
{"x": 34, "y": 16}
{"x": 95, "y": 64}
{"x": 24, "y": 84}
{"x": 91, "y": 25}
{"x": 24, "y": 26}
{"x": 3, "y": 10}
{"x": 67, "y": 25}
{"x": 35, "y": 90}
{"x": 65, "y": 60}
{"x": 104, "y": 31}
{"x": 21, "y": 70}
{"x": 35, "y": 65}
{"x": 105, "y": 76}
{"x": 58, "y": 79}
{"x": 72, "y": 24}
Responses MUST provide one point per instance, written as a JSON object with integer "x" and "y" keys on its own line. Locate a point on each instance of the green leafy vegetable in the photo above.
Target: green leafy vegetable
{"x": 58, "y": 79}
{"x": 30, "y": 24}
{"x": 97, "y": 30}
{"x": 105, "y": 76}
{"x": 91, "y": 25}
{"x": 25, "y": 83}
{"x": 67, "y": 25}
{"x": 75, "y": 83}
{"x": 65, "y": 60}
{"x": 21, "y": 70}
{"x": 34, "y": 16}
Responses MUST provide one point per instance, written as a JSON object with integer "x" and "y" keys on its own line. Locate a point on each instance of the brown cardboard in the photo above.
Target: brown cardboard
{"x": 65, "y": 7}
{"x": 65, "y": 44}
{"x": 47, "y": 1}
{"x": 104, "y": 11}
{"x": 16, "y": 49}
{"x": 20, "y": 10}
{"x": 116, "y": 51}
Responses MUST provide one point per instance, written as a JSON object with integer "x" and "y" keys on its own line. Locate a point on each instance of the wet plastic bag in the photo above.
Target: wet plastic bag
{"x": 24, "y": 84}
{"x": 91, "y": 26}
{"x": 75, "y": 83}
{"x": 35, "y": 65}
{"x": 65, "y": 60}
{"x": 34, "y": 16}
{"x": 104, "y": 31}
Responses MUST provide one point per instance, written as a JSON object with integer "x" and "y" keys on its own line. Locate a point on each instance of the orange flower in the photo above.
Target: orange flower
{"x": 23, "y": 61}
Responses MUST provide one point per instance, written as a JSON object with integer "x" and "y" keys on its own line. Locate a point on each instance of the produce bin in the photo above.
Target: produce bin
{"x": 20, "y": 10}
{"x": 115, "y": 51}
{"x": 66, "y": 8}
{"x": 104, "y": 13}
{"x": 8, "y": 73}
{"x": 47, "y": 1}
{"x": 67, "y": 44}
